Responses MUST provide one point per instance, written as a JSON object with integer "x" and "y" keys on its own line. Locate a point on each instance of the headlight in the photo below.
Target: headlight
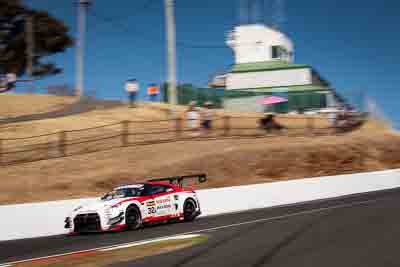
{"x": 116, "y": 206}
{"x": 110, "y": 211}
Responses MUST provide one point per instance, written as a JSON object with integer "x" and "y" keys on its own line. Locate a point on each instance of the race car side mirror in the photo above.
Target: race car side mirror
{"x": 202, "y": 178}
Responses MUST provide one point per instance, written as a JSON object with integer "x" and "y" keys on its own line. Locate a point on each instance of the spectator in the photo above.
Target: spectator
{"x": 347, "y": 121}
{"x": 207, "y": 116}
{"x": 332, "y": 118}
{"x": 153, "y": 92}
{"x": 350, "y": 108}
{"x": 269, "y": 123}
{"x": 193, "y": 118}
{"x": 7, "y": 82}
{"x": 342, "y": 121}
{"x": 132, "y": 87}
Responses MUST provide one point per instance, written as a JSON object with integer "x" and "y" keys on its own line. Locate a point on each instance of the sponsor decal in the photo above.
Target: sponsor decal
{"x": 150, "y": 203}
{"x": 164, "y": 200}
{"x": 166, "y": 206}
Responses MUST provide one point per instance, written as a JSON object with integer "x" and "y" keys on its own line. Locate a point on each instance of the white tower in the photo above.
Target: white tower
{"x": 259, "y": 43}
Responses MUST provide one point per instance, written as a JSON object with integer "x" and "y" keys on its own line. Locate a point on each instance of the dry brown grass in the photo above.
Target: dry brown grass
{"x": 80, "y": 121}
{"x": 148, "y": 124}
{"x": 227, "y": 162}
{"x": 14, "y": 105}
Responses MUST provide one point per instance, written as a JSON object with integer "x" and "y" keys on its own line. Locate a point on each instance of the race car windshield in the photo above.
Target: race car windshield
{"x": 122, "y": 193}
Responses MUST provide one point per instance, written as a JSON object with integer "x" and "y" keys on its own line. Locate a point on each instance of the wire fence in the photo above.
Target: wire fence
{"x": 136, "y": 133}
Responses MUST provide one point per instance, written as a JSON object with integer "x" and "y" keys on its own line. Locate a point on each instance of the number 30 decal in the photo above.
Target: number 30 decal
{"x": 151, "y": 210}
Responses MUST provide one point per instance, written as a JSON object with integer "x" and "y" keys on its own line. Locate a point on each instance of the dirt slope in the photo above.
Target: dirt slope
{"x": 227, "y": 162}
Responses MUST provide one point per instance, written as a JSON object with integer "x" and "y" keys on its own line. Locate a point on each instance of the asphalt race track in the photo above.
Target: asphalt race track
{"x": 360, "y": 230}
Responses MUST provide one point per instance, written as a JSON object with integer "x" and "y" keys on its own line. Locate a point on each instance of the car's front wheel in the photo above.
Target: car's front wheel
{"x": 133, "y": 218}
{"x": 189, "y": 210}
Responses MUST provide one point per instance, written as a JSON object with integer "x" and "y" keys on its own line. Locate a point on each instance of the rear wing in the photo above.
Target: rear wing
{"x": 178, "y": 180}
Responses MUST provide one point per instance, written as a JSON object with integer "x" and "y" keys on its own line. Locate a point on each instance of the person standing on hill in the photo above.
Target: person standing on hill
{"x": 7, "y": 82}
{"x": 132, "y": 88}
{"x": 193, "y": 118}
{"x": 11, "y": 80}
{"x": 207, "y": 116}
{"x": 153, "y": 92}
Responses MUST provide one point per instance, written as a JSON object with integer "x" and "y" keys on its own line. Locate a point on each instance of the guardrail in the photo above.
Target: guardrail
{"x": 136, "y": 133}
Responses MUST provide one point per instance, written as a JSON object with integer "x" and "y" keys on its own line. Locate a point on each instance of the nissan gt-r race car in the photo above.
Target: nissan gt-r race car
{"x": 132, "y": 206}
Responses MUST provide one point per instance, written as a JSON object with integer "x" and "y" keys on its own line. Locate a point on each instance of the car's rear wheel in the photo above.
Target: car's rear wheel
{"x": 133, "y": 218}
{"x": 189, "y": 210}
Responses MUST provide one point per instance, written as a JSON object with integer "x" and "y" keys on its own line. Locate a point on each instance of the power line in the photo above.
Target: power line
{"x": 114, "y": 22}
{"x": 123, "y": 27}
{"x": 199, "y": 46}
{"x": 146, "y": 6}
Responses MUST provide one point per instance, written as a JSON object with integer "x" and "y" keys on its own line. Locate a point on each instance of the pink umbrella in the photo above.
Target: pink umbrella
{"x": 270, "y": 100}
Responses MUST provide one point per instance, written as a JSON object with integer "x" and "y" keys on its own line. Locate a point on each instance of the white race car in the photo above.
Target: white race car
{"x": 132, "y": 206}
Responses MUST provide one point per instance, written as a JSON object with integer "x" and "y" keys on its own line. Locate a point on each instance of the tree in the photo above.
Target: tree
{"x": 51, "y": 36}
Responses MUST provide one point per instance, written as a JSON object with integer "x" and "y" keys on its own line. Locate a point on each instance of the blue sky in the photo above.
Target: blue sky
{"x": 354, "y": 44}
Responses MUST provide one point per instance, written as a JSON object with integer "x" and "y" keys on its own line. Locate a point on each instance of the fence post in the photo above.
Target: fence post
{"x": 178, "y": 128}
{"x": 62, "y": 143}
{"x": 1, "y": 151}
{"x": 125, "y": 133}
{"x": 310, "y": 124}
{"x": 227, "y": 125}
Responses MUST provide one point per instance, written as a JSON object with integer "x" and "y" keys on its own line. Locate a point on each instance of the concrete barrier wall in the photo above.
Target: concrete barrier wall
{"x": 44, "y": 219}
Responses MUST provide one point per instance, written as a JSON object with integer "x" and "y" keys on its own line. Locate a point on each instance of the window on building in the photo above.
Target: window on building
{"x": 279, "y": 52}
{"x": 275, "y": 51}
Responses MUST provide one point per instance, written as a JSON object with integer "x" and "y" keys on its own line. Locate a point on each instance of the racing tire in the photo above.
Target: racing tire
{"x": 133, "y": 218}
{"x": 189, "y": 210}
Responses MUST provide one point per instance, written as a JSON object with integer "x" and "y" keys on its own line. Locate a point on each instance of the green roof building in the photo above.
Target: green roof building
{"x": 264, "y": 65}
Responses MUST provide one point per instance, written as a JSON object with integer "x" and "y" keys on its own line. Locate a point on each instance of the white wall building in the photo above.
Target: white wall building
{"x": 264, "y": 65}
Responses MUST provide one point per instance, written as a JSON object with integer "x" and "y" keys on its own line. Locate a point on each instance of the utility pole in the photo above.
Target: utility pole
{"x": 80, "y": 46}
{"x": 30, "y": 47}
{"x": 171, "y": 51}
